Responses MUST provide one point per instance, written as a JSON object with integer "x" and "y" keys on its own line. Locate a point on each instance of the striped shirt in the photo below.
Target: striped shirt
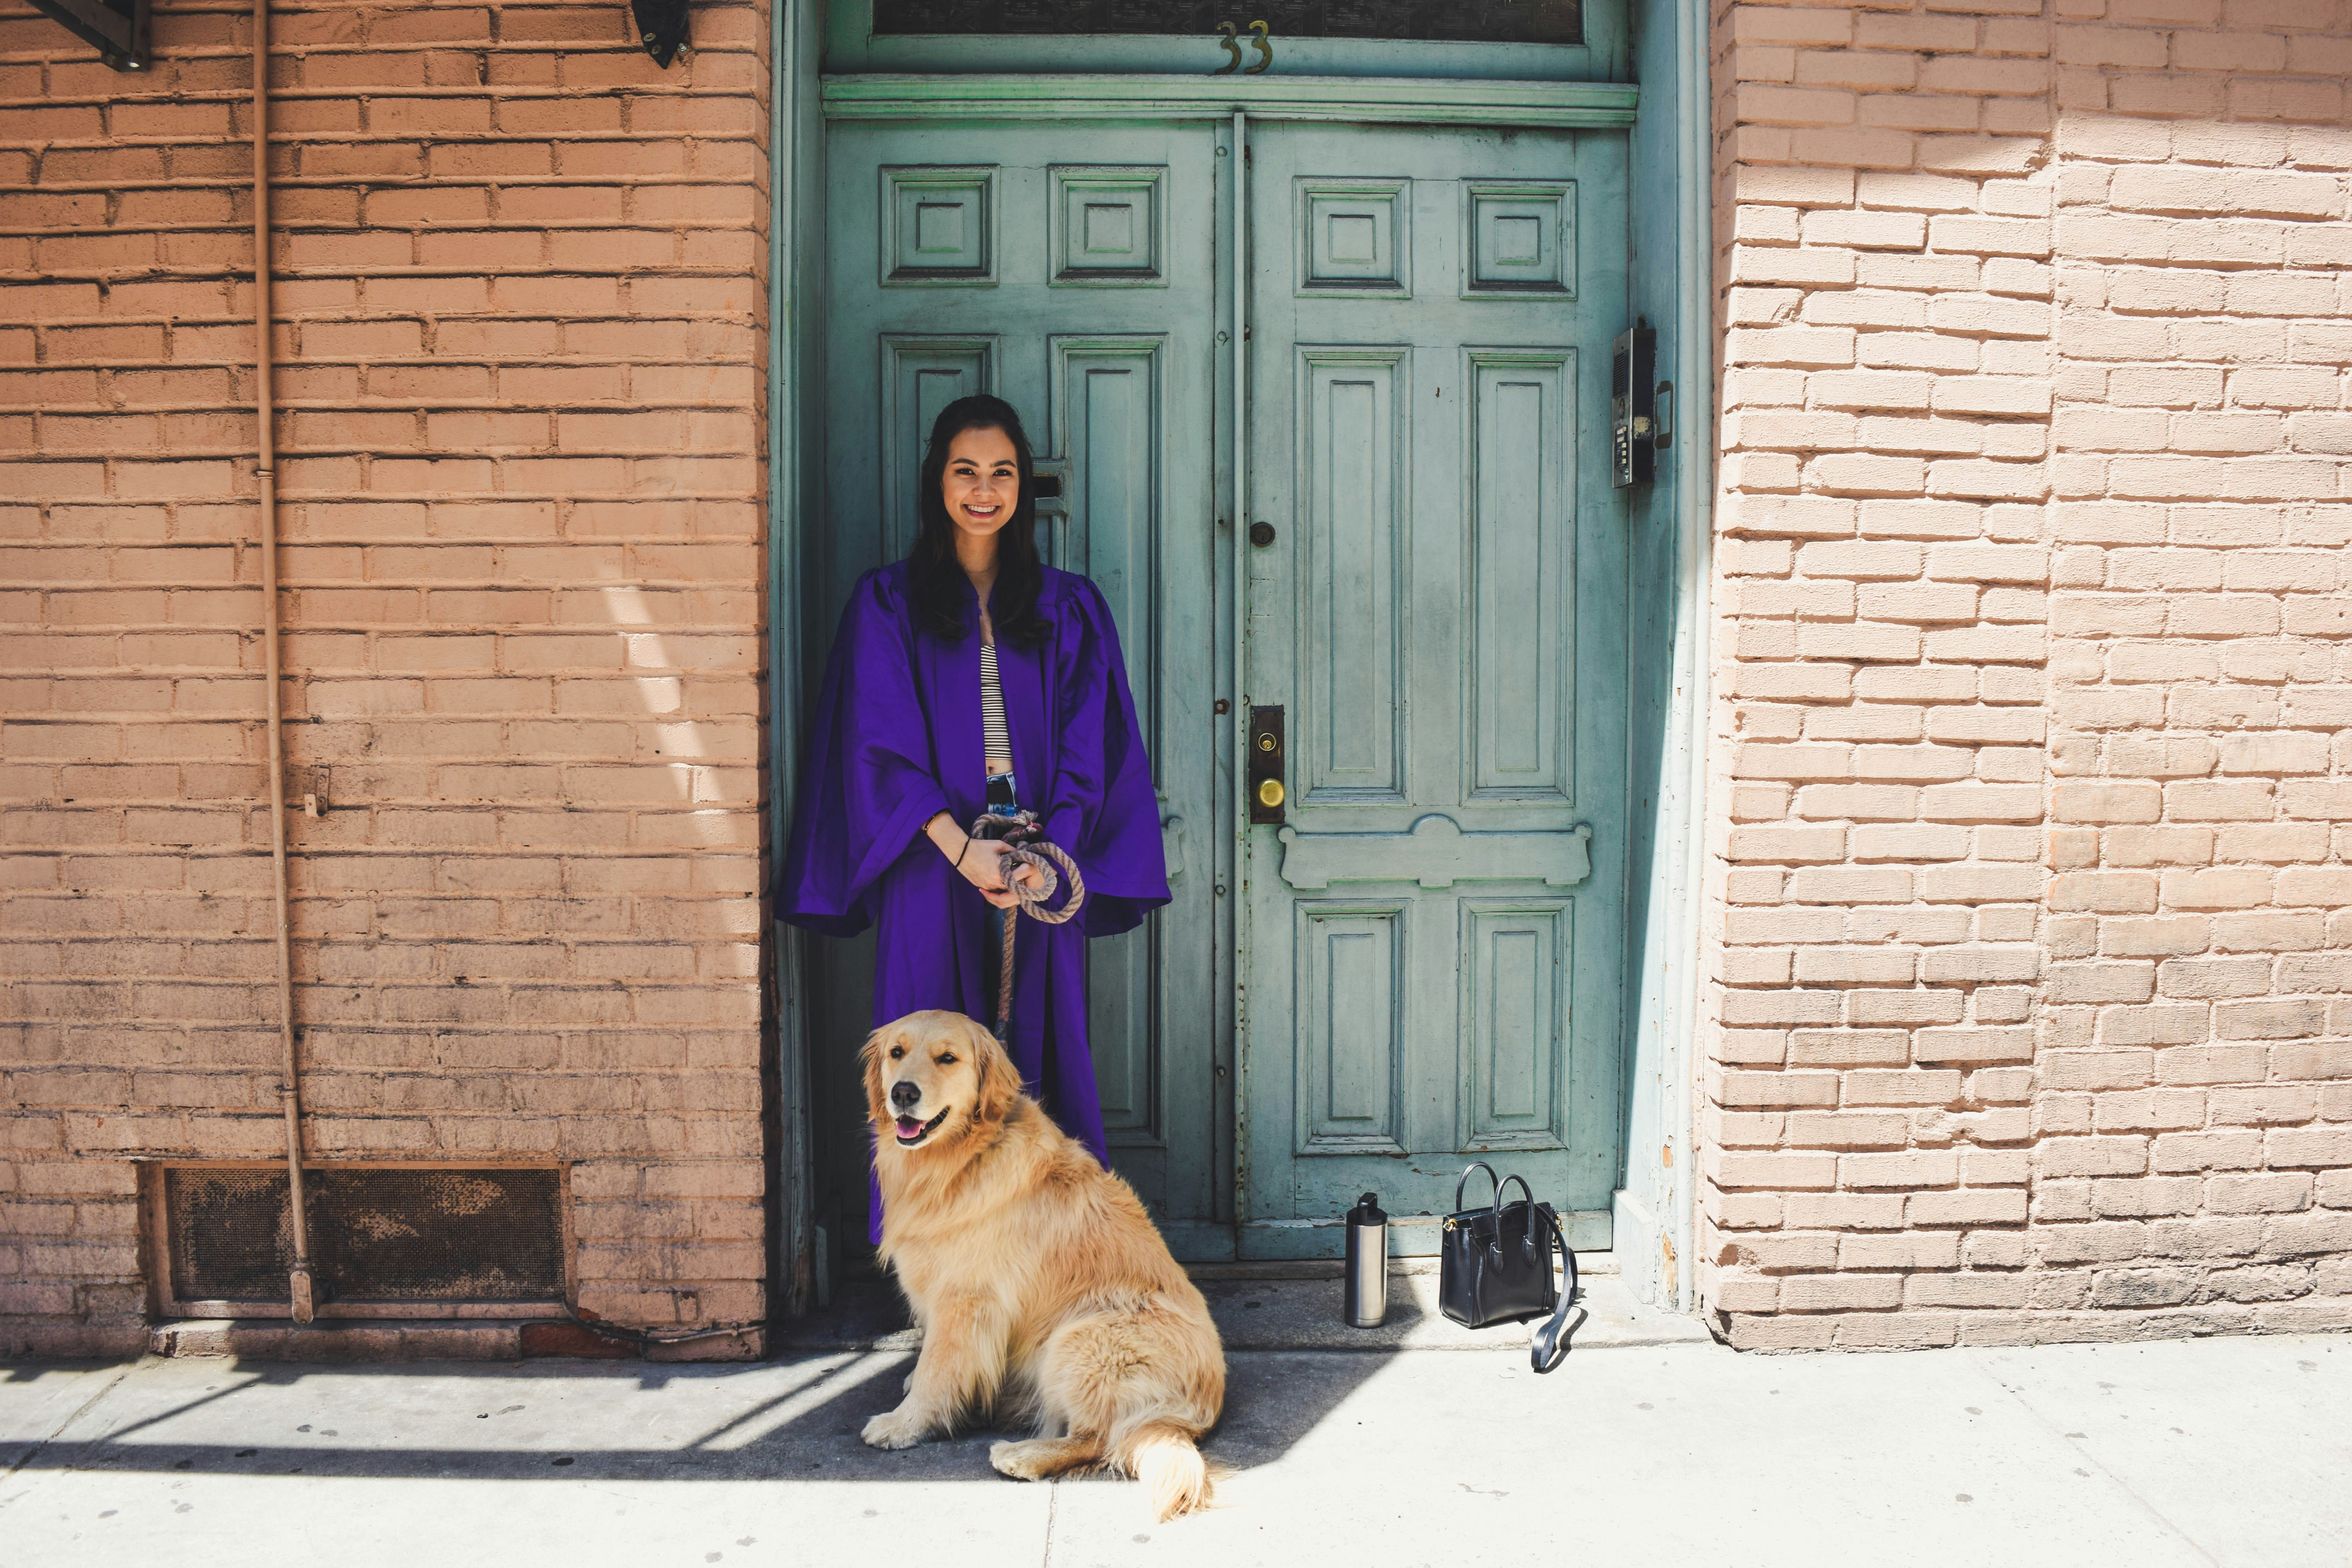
{"x": 996, "y": 742}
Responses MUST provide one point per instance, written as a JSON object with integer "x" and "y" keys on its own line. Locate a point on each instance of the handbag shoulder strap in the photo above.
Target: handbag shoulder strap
{"x": 1547, "y": 1349}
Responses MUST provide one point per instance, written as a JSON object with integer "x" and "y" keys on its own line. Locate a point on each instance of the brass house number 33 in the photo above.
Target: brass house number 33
{"x": 1231, "y": 39}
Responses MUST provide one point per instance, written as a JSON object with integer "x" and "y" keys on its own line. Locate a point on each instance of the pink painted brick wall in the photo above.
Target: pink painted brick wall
{"x": 2032, "y": 999}
{"x": 520, "y": 306}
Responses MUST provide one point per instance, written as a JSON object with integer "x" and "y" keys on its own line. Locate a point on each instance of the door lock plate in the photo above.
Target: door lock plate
{"x": 1267, "y": 749}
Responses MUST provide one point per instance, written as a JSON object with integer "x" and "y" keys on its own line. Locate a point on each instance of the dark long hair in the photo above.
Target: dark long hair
{"x": 933, "y": 572}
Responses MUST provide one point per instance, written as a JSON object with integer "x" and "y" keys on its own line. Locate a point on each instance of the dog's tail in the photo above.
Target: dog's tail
{"x": 1161, "y": 1455}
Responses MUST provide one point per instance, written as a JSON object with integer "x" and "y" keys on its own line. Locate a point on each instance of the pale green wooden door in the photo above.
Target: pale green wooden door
{"x": 1432, "y": 941}
{"x": 1428, "y": 952}
{"x": 1069, "y": 268}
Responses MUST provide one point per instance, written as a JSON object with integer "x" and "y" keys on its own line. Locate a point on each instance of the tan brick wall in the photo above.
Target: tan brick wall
{"x": 521, "y": 330}
{"x": 2034, "y": 803}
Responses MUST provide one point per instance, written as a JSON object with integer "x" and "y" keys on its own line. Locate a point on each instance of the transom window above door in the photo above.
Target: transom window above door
{"x": 1527, "y": 41}
{"x": 1453, "y": 21}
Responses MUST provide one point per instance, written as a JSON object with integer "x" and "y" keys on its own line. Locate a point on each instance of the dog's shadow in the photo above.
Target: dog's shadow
{"x": 1288, "y": 1370}
{"x": 1276, "y": 1390}
{"x": 1273, "y": 1399}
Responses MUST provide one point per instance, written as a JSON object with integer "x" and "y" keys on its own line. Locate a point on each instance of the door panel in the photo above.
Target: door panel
{"x": 1352, "y": 1009}
{"x": 1108, "y": 423}
{"x": 939, "y": 226}
{"x": 1518, "y": 691}
{"x": 1071, "y": 270}
{"x": 1352, "y": 480}
{"x": 1441, "y": 612}
{"x": 1514, "y": 1001}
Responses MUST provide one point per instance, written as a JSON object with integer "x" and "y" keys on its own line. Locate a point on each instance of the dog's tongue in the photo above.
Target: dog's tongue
{"x": 908, "y": 1126}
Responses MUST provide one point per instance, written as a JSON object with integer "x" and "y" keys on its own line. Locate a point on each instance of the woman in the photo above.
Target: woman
{"x": 973, "y": 676}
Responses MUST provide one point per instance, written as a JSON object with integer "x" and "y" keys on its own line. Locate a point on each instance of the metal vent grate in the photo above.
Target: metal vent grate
{"x": 376, "y": 1235}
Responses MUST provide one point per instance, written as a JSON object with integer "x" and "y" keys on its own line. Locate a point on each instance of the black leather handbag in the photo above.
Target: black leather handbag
{"x": 1494, "y": 1266}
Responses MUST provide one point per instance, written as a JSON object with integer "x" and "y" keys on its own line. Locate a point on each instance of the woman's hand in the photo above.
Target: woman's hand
{"x": 979, "y": 861}
{"x": 984, "y": 867}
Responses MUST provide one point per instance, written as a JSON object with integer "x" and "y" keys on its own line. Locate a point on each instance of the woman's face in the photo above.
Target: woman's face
{"x": 983, "y": 484}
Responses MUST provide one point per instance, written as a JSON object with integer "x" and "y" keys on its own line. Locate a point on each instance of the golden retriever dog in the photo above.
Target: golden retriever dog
{"x": 1042, "y": 1291}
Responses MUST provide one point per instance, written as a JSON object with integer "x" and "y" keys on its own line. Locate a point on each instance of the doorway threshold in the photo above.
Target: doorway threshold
{"x": 1283, "y": 1307}
{"x": 1588, "y": 1264}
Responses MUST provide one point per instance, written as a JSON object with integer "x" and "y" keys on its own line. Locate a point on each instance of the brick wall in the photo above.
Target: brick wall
{"x": 2031, "y": 1010}
{"x": 2194, "y": 1096}
{"x": 2035, "y": 814}
{"x": 520, "y": 326}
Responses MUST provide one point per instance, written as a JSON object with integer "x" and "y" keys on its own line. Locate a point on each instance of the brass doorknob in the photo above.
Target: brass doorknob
{"x": 1269, "y": 793}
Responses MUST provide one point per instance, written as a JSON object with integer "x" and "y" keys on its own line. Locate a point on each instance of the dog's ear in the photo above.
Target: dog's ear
{"x": 870, "y": 1054}
{"x": 1000, "y": 1081}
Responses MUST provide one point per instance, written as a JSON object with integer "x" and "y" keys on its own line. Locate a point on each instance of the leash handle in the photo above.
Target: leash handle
{"x": 1027, "y": 836}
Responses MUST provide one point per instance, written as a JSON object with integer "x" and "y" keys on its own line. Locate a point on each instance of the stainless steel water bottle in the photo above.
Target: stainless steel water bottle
{"x": 1368, "y": 1264}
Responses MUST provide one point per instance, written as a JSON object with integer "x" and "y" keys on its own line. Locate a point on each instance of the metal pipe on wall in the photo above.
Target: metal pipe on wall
{"x": 289, "y": 1091}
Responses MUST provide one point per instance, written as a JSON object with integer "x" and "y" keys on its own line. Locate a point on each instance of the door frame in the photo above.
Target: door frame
{"x": 1662, "y": 994}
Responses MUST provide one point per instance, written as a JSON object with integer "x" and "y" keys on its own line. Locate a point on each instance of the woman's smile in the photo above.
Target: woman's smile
{"x": 983, "y": 483}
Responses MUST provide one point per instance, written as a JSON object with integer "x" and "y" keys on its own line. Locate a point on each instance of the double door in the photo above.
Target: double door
{"x": 1329, "y": 436}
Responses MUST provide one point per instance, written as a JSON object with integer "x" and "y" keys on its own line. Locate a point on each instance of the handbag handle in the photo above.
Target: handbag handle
{"x": 1479, "y": 1165}
{"x": 1546, "y": 1348}
{"x": 1495, "y": 1213}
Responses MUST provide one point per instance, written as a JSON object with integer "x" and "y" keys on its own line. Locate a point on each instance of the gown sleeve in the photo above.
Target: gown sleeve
{"x": 1104, "y": 811}
{"x": 867, "y": 778}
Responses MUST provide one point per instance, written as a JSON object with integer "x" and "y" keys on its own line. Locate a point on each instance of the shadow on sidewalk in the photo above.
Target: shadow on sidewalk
{"x": 797, "y": 1419}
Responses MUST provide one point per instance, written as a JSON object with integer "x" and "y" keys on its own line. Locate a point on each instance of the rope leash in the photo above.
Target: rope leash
{"x": 1027, "y": 836}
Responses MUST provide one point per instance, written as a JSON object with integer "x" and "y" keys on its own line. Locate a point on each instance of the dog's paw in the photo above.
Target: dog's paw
{"x": 1018, "y": 1460}
{"x": 896, "y": 1429}
{"x": 1040, "y": 1457}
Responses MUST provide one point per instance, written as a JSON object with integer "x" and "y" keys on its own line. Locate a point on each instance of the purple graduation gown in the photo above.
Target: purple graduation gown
{"x": 896, "y": 738}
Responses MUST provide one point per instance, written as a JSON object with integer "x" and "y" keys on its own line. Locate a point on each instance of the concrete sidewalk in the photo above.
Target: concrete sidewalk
{"x": 2227, "y": 1451}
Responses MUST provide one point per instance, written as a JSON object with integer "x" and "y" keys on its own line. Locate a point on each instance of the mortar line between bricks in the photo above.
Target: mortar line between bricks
{"x": 84, "y": 1408}
{"x": 2032, "y": 1412}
